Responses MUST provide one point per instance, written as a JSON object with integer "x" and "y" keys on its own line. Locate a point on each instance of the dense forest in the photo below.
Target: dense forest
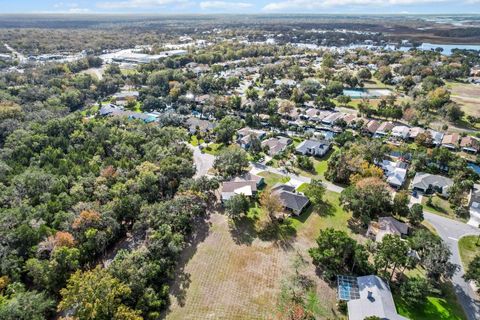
{"x": 70, "y": 190}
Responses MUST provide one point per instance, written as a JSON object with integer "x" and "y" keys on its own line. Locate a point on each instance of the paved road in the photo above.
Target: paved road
{"x": 203, "y": 161}
{"x": 451, "y": 231}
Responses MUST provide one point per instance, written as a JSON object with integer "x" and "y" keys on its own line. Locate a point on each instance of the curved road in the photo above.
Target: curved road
{"x": 451, "y": 231}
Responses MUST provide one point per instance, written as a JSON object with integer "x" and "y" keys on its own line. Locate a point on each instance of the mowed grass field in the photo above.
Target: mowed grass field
{"x": 235, "y": 272}
{"x": 467, "y": 96}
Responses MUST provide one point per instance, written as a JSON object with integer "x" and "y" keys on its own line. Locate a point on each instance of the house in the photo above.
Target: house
{"x": 384, "y": 129}
{"x": 195, "y": 125}
{"x": 313, "y": 148}
{"x": 349, "y": 119}
{"x": 414, "y": 132}
{"x": 474, "y": 206}
{"x": 386, "y": 225}
{"x": 374, "y": 299}
{"x": 276, "y": 145}
{"x": 245, "y": 136}
{"x": 122, "y": 98}
{"x": 429, "y": 183}
{"x": 372, "y": 126}
{"x": 469, "y": 144}
{"x": 111, "y": 110}
{"x": 437, "y": 137}
{"x": 395, "y": 172}
{"x": 450, "y": 141}
{"x": 259, "y": 180}
{"x": 291, "y": 200}
{"x": 330, "y": 119}
{"x": 231, "y": 188}
{"x": 400, "y": 132}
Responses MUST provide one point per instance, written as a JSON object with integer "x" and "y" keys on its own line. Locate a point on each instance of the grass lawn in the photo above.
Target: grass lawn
{"x": 319, "y": 165}
{"x": 436, "y": 308}
{"x": 195, "y": 142}
{"x": 331, "y": 215}
{"x": 214, "y": 148}
{"x": 468, "y": 249}
{"x": 272, "y": 178}
{"x": 439, "y": 206}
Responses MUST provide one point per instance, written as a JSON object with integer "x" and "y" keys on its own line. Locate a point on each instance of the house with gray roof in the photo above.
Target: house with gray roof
{"x": 429, "y": 183}
{"x": 313, "y": 148}
{"x": 195, "y": 125}
{"x": 437, "y": 137}
{"x": 276, "y": 145}
{"x": 375, "y": 299}
{"x": 386, "y": 225}
{"x": 291, "y": 200}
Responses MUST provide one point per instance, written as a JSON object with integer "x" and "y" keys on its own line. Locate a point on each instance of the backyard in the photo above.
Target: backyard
{"x": 435, "y": 308}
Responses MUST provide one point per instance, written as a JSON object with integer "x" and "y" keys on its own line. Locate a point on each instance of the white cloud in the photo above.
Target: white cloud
{"x": 138, "y": 4}
{"x": 224, "y": 5}
{"x": 316, "y": 4}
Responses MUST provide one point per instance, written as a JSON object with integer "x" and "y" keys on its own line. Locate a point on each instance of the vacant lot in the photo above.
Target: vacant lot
{"x": 236, "y": 271}
{"x": 467, "y": 96}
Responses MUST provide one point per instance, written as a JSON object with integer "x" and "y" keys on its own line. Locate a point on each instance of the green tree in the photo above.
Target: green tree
{"x": 94, "y": 294}
{"x": 391, "y": 253}
{"x": 367, "y": 199}
{"x": 473, "y": 271}
{"x": 414, "y": 291}
{"x": 415, "y": 214}
{"x": 231, "y": 162}
{"x": 237, "y": 205}
{"x": 400, "y": 203}
{"x": 226, "y": 129}
{"x": 336, "y": 252}
{"x": 19, "y": 304}
{"x": 315, "y": 191}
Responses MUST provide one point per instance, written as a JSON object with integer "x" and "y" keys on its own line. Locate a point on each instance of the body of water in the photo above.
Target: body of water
{"x": 448, "y": 48}
{"x": 360, "y": 93}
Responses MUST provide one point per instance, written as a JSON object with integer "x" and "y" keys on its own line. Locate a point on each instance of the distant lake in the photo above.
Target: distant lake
{"x": 447, "y": 48}
{"x": 360, "y": 93}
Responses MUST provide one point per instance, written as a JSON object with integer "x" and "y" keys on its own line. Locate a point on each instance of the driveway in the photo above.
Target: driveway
{"x": 258, "y": 167}
{"x": 203, "y": 161}
{"x": 451, "y": 231}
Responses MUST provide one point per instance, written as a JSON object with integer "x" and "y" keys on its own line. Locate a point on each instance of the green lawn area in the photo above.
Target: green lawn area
{"x": 272, "y": 178}
{"x": 439, "y": 206}
{"x": 436, "y": 308}
{"x": 214, "y": 148}
{"x": 319, "y": 165}
{"x": 195, "y": 142}
{"x": 468, "y": 249}
{"x": 331, "y": 215}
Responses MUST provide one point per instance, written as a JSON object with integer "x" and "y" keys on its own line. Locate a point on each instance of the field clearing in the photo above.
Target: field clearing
{"x": 234, "y": 273}
{"x": 467, "y": 96}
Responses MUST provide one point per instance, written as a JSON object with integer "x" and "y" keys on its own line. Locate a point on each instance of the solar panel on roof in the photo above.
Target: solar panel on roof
{"x": 348, "y": 288}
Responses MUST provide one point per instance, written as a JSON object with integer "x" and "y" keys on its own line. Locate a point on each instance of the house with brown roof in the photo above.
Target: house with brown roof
{"x": 372, "y": 126}
{"x": 450, "y": 141}
{"x": 231, "y": 188}
{"x": 470, "y": 144}
{"x": 384, "y": 129}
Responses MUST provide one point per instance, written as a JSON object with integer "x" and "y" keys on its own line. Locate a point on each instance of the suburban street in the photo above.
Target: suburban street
{"x": 451, "y": 231}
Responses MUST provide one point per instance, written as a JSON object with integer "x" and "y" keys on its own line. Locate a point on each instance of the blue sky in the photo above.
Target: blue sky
{"x": 241, "y": 6}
